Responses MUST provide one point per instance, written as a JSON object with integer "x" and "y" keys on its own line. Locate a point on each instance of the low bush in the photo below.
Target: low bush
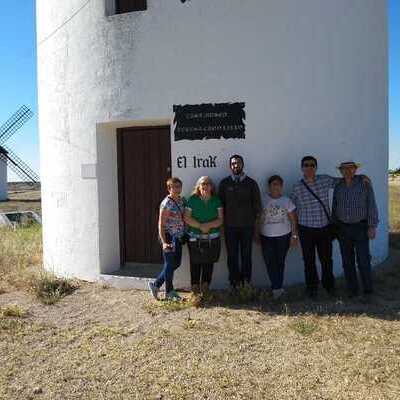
{"x": 13, "y": 311}
{"x": 49, "y": 289}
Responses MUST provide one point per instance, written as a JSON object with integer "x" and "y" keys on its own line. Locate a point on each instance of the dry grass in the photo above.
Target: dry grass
{"x": 215, "y": 353}
{"x": 394, "y": 212}
{"x": 394, "y": 205}
{"x": 20, "y": 256}
{"x": 13, "y": 311}
{"x": 21, "y": 266}
{"x": 113, "y": 344}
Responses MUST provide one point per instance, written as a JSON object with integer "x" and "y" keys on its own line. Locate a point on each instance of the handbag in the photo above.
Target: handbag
{"x": 333, "y": 228}
{"x": 204, "y": 251}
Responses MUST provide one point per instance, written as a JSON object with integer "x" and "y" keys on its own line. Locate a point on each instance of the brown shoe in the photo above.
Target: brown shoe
{"x": 205, "y": 288}
{"x": 195, "y": 296}
{"x": 195, "y": 289}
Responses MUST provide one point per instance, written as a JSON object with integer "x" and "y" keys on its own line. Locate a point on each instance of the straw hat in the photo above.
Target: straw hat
{"x": 348, "y": 164}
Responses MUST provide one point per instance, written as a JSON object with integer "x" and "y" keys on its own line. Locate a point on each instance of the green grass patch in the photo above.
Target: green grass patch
{"x": 109, "y": 332}
{"x": 49, "y": 289}
{"x": 304, "y": 327}
{"x": 13, "y": 311}
{"x": 155, "y": 307}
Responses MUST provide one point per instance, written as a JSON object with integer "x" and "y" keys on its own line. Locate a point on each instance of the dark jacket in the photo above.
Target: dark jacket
{"x": 241, "y": 201}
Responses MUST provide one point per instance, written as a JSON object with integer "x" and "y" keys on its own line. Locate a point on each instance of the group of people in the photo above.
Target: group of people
{"x": 274, "y": 221}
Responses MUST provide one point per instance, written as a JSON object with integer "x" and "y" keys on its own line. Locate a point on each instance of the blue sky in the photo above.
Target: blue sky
{"x": 18, "y": 77}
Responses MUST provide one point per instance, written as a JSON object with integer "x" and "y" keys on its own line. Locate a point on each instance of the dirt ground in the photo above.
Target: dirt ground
{"x": 103, "y": 343}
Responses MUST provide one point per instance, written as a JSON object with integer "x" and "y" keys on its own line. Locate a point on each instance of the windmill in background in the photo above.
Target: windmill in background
{"x": 8, "y": 157}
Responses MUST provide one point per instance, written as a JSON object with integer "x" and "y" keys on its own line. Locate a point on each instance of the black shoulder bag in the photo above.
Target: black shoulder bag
{"x": 332, "y": 227}
{"x": 204, "y": 251}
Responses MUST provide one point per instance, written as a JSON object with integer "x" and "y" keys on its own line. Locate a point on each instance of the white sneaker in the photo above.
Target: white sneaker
{"x": 154, "y": 290}
{"x": 277, "y": 293}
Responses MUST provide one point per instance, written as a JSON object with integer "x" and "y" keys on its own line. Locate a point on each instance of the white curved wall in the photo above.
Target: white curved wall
{"x": 313, "y": 75}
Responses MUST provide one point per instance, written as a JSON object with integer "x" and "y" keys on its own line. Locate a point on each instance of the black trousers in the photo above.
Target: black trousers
{"x": 274, "y": 250}
{"x": 354, "y": 246}
{"x": 320, "y": 240}
{"x": 239, "y": 240}
{"x": 201, "y": 273}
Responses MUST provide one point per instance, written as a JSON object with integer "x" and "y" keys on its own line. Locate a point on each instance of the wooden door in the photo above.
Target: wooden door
{"x": 144, "y": 165}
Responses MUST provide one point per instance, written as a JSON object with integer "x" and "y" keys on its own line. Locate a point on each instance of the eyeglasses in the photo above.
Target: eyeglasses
{"x": 309, "y": 165}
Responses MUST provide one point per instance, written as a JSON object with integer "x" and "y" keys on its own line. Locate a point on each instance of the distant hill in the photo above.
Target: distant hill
{"x": 22, "y": 186}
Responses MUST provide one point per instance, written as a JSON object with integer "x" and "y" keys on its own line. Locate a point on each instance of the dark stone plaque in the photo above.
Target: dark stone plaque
{"x": 209, "y": 121}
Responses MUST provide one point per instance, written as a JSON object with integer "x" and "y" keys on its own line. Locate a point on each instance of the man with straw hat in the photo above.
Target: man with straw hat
{"x": 311, "y": 198}
{"x": 355, "y": 212}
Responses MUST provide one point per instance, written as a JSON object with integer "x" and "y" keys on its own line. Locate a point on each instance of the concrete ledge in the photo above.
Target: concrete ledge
{"x": 124, "y": 282}
{"x": 125, "y": 279}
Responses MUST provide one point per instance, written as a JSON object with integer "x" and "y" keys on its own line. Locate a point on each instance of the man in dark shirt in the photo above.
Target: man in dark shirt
{"x": 355, "y": 211}
{"x": 240, "y": 196}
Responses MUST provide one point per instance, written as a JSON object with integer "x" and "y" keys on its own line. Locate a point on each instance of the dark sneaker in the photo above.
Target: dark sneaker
{"x": 153, "y": 290}
{"x": 277, "y": 293}
{"x": 353, "y": 295}
{"x": 312, "y": 293}
{"x": 331, "y": 292}
{"x": 366, "y": 298}
{"x": 173, "y": 296}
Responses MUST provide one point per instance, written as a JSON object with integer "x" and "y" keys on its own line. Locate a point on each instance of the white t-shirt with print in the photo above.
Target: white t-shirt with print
{"x": 274, "y": 217}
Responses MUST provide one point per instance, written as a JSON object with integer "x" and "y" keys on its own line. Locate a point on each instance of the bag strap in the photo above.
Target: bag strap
{"x": 319, "y": 200}
{"x": 177, "y": 205}
{"x": 208, "y": 240}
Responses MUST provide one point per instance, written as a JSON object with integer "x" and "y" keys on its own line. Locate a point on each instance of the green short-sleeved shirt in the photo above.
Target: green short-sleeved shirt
{"x": 203, "y": 211}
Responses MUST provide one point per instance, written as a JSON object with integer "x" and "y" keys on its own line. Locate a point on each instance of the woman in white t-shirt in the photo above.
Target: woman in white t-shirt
{"x": 278, "y": 230}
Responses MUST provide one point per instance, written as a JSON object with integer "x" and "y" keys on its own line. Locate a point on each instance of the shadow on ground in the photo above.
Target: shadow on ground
{"x": 394, "y": 240}
{"x": 384, "y": 304}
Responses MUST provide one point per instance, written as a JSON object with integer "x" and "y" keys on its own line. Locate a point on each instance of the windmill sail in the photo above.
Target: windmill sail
{"x": 18, "y": 166}
{"x": 15, "y": 122}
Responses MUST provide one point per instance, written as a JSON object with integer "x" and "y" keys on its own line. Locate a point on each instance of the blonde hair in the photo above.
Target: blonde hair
{"x": 202, "y": 179}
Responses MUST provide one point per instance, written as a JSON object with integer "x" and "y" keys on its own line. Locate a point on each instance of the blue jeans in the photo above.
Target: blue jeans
{"x": 274, "y": 250}
{"x": 354, "y": 246}
{"x": 239, "y": 239}
{"x": 172, "y": 261}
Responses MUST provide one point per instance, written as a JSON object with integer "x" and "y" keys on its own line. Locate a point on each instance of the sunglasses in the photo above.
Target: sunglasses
{"x": 309, "y": 165}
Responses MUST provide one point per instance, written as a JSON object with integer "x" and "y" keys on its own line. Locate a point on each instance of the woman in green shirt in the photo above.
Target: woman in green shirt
{"x": 204, "y": 217}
